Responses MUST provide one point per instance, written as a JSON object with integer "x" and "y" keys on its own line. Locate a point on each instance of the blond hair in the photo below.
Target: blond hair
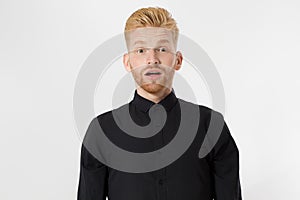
{"x": 152, "y": 17}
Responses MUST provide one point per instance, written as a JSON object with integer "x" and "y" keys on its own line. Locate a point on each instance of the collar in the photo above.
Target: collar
{"x": 144, "y": 104}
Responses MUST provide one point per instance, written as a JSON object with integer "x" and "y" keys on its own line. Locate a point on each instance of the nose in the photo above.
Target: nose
{"x": 152, "y": 57}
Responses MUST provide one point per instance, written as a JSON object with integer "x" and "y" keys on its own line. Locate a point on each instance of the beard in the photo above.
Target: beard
{"x": 151, "y": 86}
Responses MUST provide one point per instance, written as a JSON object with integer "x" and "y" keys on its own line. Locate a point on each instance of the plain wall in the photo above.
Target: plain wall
{"x": 254, "y": 45}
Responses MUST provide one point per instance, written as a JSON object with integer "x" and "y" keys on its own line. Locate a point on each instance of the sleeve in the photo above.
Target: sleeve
{"x": 225, "y": 168}
{"x": 93, "y": 177}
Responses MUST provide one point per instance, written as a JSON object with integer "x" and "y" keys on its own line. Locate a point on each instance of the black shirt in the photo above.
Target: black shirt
{"x": 216, "y": 176}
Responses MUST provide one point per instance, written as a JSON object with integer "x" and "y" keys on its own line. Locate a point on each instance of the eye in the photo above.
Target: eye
{"x": 162, "y": 49}
{"x": 140, "y": 51}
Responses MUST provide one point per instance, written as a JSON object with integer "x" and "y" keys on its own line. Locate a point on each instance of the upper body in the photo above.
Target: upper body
{"x": 151, "y": 37}
{"x": 189, "y": 177}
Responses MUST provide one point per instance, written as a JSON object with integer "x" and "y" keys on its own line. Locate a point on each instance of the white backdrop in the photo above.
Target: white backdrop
{"x": 254, "y": 44}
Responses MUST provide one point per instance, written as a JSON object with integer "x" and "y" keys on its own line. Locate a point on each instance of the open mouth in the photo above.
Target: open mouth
{"x": 152, "y": 73}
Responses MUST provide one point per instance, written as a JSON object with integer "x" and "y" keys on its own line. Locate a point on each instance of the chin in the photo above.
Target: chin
{"x": 153, "y": 88}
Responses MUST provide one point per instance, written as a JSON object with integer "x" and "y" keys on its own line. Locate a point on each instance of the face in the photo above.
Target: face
{"x": 152, "y": 58}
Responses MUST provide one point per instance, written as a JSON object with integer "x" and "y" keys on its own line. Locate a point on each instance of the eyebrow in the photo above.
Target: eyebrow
{"x": 138, "y": 42}
{"x": 162, "y": 41}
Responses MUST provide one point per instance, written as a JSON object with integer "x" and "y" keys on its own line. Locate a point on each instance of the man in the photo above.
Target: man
{"x": 151, "y": 38}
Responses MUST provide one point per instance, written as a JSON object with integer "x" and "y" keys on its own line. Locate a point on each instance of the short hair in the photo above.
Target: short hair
{"x": 152, "y": 17}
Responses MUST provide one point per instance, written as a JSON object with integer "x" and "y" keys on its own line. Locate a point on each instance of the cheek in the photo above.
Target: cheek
{"x": 136, "y": 62}
{"x": 136, "y": 68}
{"x": 169, "y": 61}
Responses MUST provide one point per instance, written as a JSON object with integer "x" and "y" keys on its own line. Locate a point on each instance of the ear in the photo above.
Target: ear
{"x": 178, "y": 61}
{"x": 126, "y": 62}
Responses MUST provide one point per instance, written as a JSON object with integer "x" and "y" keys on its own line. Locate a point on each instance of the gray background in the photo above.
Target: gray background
{"x": 255, "y": 46}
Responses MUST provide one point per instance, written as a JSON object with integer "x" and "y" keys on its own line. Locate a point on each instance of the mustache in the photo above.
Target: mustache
{"x": 158, "y": 66}
{"x": 147, "y": 67}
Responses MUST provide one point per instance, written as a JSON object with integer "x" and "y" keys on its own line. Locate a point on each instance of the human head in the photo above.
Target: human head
{"x": 152, "y": 30}
{"x": 152, "y": 17}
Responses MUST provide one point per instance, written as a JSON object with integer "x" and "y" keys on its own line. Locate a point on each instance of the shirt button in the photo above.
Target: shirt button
{"x": 160, "y": 182}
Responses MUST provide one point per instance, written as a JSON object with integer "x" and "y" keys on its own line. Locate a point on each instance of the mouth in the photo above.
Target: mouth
{"x": 153, "y": 74}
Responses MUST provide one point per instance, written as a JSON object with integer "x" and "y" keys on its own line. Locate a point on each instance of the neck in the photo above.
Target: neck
{"x": 154, "y": 97}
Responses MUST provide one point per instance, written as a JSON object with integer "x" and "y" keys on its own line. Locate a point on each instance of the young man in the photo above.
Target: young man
{"x": 151, "y": 37}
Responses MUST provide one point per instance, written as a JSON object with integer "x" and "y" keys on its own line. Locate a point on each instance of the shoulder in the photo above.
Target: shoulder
{"x": 108, "y": 116}
{"x": 206, "y": 113}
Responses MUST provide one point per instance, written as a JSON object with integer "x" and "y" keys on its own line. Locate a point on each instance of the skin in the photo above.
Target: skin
{"x": 153, "y": 88}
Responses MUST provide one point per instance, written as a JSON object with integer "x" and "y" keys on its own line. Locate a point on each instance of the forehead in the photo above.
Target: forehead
{"x": 150, "y": 35}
